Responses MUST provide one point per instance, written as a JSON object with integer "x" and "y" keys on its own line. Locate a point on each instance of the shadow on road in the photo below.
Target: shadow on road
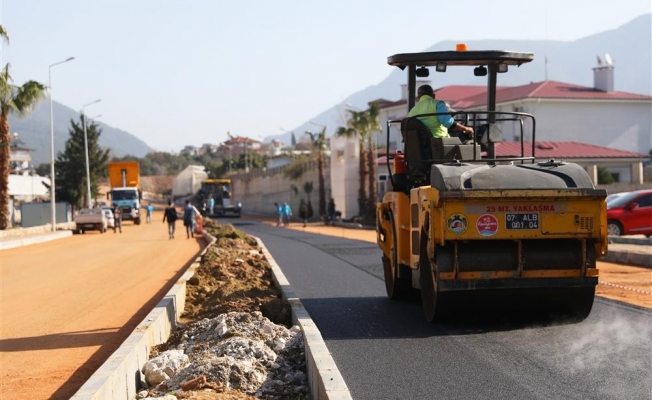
{"x": 380, "y": 317}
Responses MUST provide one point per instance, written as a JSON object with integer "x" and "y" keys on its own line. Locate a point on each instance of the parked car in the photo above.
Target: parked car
{"x": 88, "y": 219}
{"x": 630, "y": 214}
{"x": 110, "y": 220}
{"x": 614, "y": 196}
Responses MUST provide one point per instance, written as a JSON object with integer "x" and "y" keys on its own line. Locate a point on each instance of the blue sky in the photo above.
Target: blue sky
{"x": 184, "y": 72}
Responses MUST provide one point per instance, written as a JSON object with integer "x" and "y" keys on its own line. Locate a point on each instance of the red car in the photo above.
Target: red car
{"x": 630, "y": 214}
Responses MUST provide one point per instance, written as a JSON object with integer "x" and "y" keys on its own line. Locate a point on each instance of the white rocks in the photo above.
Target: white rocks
{"x": 164, "y": 366}
{"x": 244, "y": 351}
{"x": 279, "y": 344}
{"x": 221, "y": 329}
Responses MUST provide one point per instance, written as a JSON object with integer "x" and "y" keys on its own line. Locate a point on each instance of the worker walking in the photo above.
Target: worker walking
{"x": 190, "y": 212}
{"x": 150, "y": 211}
{"x": 279, "y": 214}
{"x": 171, "y": 216}
{"x": 117, "y": 219}
{"x": 211, "y": 206}
{"x": 286, "y": 213}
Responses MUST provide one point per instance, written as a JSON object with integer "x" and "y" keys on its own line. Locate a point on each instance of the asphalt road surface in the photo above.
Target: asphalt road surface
{"x": 386, "y": 350}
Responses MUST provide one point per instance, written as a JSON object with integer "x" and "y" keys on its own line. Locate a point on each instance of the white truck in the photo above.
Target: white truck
{"x": 91, "y": 219}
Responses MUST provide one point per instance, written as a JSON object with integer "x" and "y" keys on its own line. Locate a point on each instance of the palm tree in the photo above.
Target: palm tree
{"x": 13, "y": 99}
{"x": 319, "y": 144}
{"x": 372, "y": 126}
{"x": 363, "y": 124}
{"x": 3, "y": 34}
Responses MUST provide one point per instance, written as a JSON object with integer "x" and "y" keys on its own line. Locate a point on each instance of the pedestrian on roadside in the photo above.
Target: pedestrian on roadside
{"x": 150, "y": 211}
{"x": 190, "y": 212}
{"x": 211, "y": 205}
{"x": 286, "y": 213}
{"x": 171, "y": 216}
{"x": 331, "y": 211}
{"x": 117, "y": 218}
{"x": 279, "y": 214}
{"x": 303, "y": 212}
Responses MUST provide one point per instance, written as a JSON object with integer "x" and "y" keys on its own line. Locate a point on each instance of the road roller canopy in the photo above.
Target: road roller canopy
{"x": 440, "y": 59}
{"x": 487, "y": 63}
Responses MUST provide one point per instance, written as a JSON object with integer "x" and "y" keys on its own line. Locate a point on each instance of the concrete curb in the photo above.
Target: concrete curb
{"x": 326, "y": 382}
{"x": 628, "y": 258}
{"x": 630, "y": 240}
{"x": 119, "y": 377}
{"x": 12, "y": 243}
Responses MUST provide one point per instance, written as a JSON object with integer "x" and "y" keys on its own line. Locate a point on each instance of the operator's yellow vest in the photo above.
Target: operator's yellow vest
{"x": 428, "y": 105}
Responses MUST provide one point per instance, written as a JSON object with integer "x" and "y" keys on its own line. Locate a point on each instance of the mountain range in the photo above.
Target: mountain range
{"x": 34, "y": 132}
{"x": 630, "y": 47}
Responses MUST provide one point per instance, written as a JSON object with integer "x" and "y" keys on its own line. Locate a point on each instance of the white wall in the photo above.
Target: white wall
{"x": 259, "y": 189}
{"x": 395, "y": 139}
{"x": 622, "y": 125}
{"x": 345, "y": 156}
{"x": 28, "y": 187}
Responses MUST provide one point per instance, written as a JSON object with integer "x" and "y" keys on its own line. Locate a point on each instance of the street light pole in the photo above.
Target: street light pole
{"x": 53, "y": 209}
{"x": 88, "y": 169}
{"x": 246, "y": 156}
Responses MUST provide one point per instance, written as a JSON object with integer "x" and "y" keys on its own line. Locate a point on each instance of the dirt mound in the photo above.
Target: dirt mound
{"x": 234, "y": 276}
{"x": 159, "y": 184}
{"x": 236, "y": 329}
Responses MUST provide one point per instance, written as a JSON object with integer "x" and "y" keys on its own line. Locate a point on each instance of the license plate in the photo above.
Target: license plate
{"x": 522, "y": 221}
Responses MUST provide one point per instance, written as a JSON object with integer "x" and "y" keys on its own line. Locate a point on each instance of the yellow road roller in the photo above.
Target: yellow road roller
{"x": 462, "y": 219}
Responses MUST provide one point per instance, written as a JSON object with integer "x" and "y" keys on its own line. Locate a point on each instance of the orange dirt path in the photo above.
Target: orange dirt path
{"x": 67, "y": 305}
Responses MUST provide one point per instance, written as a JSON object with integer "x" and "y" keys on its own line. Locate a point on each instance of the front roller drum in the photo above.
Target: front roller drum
{"x": 432, "y": 300}
{"x": 397, "y": 288}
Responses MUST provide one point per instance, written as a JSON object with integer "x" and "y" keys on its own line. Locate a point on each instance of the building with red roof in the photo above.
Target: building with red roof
{"x": 590, "y": 126}
{"x": 598, "y": 115}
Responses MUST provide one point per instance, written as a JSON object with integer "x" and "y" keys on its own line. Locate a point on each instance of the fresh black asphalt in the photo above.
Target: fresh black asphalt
{"x": 386, "y": 350}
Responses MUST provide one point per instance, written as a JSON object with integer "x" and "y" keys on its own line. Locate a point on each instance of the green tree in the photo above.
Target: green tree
{"x": 318, "y": 142}
{"x": 295, "y": 170}
{"x": 18, "y": 100}
{"x": 307, "y": 188}
{"x": 42, "y": 169}
{"x": 71, "y": 164}
{"x": 604, "y": 177}
{"x": 305, "y": 208}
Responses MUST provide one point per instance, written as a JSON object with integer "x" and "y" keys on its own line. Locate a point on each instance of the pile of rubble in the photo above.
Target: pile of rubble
{"x": 236, "y": 353}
